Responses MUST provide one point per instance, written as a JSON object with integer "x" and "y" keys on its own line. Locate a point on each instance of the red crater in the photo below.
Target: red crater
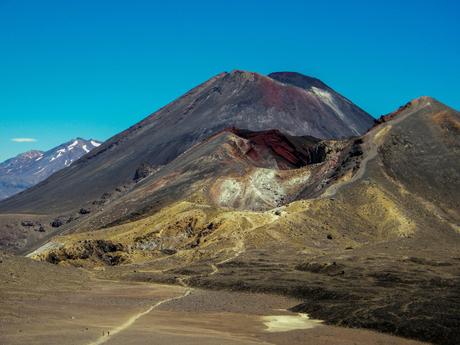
{"x": 289, "y": 152}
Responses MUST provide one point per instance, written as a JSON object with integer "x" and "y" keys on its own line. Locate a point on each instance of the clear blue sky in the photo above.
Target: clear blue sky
{"x": 92, "y": 68}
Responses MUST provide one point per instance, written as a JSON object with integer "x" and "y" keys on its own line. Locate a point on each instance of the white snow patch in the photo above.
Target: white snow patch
{"x": 60, "y": 152}
{"x": 95, "y": 143}
{"x": 39, "y": 171}
{"x": 85, "y": 148}
{"x": 71, "y": 146}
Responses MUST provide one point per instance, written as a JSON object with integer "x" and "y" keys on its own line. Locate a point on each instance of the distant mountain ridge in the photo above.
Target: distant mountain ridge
{"x": 31, "y": 167}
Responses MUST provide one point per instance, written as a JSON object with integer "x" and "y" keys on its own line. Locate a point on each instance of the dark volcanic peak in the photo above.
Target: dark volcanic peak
{"x": 299, "y": 80}
{"x": 240, "y": 99}
{"x": 31, "y": 167}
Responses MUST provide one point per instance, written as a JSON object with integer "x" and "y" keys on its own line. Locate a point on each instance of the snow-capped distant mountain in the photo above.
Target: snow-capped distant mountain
{"x": 32, "y": 167}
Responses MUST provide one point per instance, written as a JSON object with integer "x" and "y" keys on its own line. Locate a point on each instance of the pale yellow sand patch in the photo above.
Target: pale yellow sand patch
{"x": 284, "y": 323}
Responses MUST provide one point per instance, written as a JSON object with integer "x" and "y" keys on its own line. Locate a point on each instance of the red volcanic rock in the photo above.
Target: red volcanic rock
{"x": 290, "y": 152}
{"x": 294, "y": 104}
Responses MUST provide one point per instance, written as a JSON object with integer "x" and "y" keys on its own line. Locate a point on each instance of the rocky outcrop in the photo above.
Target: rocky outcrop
{"x": 104, "y": 251}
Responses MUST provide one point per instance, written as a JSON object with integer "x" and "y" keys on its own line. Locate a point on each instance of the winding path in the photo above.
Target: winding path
{"x": 371, "y": 153}
{"x": 239, "y": 248}
{"x": 134, "y": 318}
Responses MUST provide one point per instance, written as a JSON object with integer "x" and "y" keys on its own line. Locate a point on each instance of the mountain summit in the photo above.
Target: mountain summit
{"x": 292, "y": 103}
